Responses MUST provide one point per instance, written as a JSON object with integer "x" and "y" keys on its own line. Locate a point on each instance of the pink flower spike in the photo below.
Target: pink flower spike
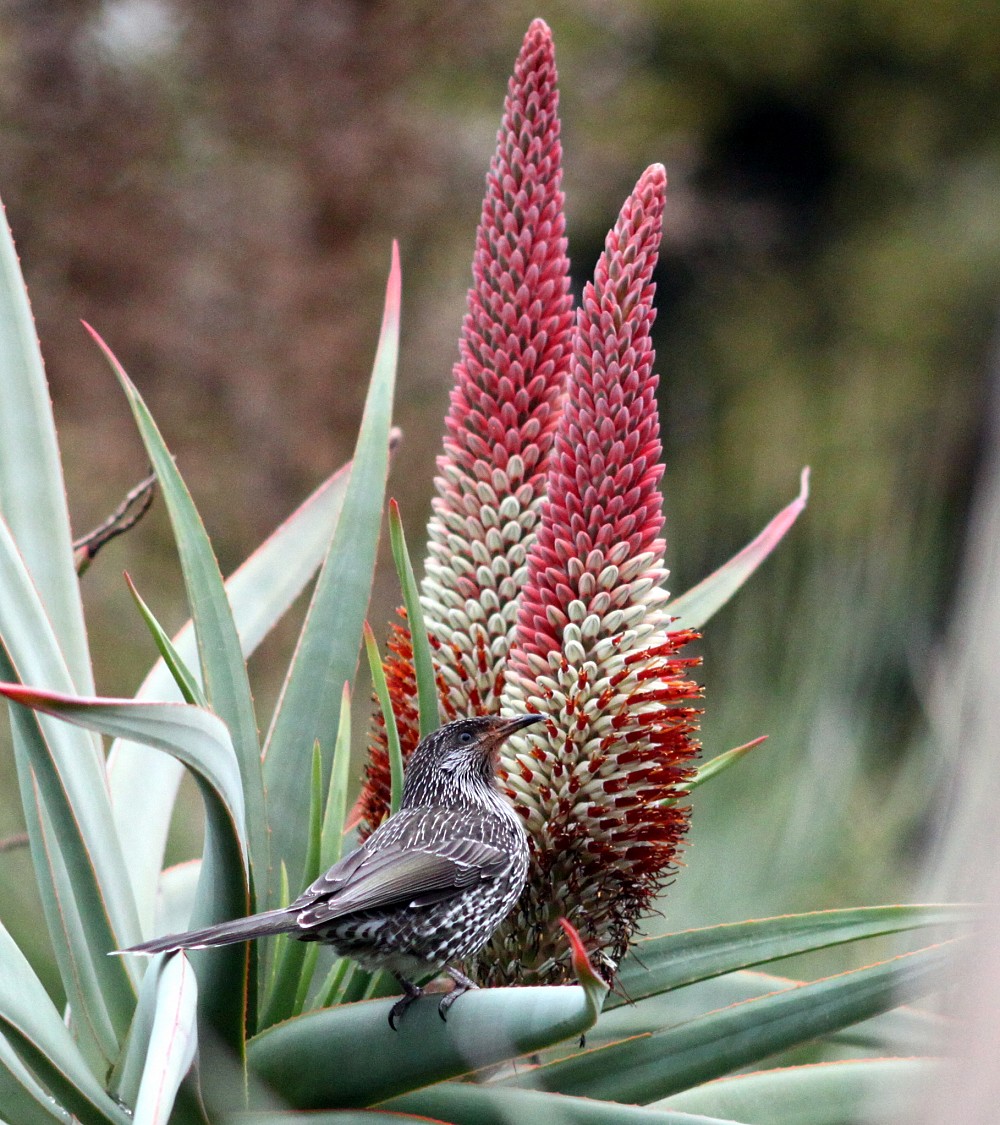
{"x": 604, "y": 513}
{"x": 514, "y": 356}
{"x": 594, "y": 652}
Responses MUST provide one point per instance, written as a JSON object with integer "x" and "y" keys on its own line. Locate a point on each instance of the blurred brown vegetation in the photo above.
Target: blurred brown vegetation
{"x": 214, "y": 187}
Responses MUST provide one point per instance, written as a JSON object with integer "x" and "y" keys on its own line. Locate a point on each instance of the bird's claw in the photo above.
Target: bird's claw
{"x": 410, "y": 993}
{"x": 462, "y": 984}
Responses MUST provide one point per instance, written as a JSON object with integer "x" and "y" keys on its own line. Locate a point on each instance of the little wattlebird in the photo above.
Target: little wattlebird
{"x": 429, "y": 885}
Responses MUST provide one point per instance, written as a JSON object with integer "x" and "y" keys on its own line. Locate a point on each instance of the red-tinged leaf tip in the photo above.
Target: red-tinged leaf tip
{"x": 16, "y": 692}
{"x": 97, "y": 338}
{"x": 369, "y": 633}
{"x": 714, "y": 766}
{"x": 38, "y": 699}
{"x": 393, "y": 287}
{"x": 110, "y": 356}
{"x": 586, "y": 974}
{"x": 394, "y": 510}
{"x": 751, "y": 744}
{"x": 581, "y": 962}
{"x": 356, "y": 815}
{"x": 695, "y": 606}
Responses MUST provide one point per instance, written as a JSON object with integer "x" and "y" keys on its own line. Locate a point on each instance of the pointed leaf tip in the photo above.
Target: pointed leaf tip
{"x": 714, "y": 766}
{"x": 393, "y": 285}
{"x": 696, "y": 606}
{"x": 108, "y": 353}
{"x": 595, "y": 987}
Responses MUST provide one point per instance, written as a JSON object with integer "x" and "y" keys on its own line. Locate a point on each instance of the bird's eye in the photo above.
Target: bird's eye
{"x": 465, "y": 737}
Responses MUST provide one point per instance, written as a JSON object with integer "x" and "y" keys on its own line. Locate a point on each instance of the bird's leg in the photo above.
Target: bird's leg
{"x": 462, "y": 984}
{"x": 410, "y": 993}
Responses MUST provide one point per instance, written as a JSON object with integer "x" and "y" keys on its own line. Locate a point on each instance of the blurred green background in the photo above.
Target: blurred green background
{"x": 214, "y": 187}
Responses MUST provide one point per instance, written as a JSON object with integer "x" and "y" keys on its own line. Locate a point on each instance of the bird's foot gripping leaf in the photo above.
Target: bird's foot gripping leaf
{"x": 462, "y": 984}
{"x": 412, "y": 992}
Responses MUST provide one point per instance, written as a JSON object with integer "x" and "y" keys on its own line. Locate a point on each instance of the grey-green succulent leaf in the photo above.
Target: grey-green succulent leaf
{"x": 327, "y": 653}
{"x": 483, "y": 1028}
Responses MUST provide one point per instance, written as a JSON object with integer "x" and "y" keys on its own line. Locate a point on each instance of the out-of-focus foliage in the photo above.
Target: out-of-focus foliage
{"x": 215, "y": 185}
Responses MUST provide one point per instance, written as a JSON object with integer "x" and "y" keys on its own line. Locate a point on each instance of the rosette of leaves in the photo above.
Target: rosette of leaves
{"x": 268, "y": 1031}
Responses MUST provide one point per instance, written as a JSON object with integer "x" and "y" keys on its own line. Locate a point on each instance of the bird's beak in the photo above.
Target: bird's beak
{"x": 511, "y": 725}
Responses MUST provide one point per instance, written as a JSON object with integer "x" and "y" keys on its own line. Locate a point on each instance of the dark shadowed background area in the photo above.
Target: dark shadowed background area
{"x": 215, "y": 186}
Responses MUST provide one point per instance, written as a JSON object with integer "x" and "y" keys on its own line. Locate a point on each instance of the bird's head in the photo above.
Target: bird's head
{"x": 457, "y": 756}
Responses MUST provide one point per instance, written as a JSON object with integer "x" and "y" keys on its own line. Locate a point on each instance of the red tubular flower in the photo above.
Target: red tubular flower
{"x": 514, "y": 357}
{"x": 593, "y": 651}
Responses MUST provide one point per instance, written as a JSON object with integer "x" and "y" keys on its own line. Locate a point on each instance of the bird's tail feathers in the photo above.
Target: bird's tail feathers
{"x": 225, "y": 933}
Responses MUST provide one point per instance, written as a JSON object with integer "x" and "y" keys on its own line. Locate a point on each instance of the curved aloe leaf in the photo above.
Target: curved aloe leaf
{"x": 465, "y": 1104}
{"x": 695, "y": 606}
{"x": 76, "y": 895}
{"x": 902, "y": 1030}
{"x": 201, "y": 741}
{"x": 672, "y": 961}
{"x": 824, "y": 1094}
{"x": 143, "y": 782}
{"x": 327, "y": 652}
{"x": 393, "y": 747}
{"x": 27, "y": 635}
{"x": 187, "y": 683}
{"x": 646, "y": 1068}
{"x": 127, "y": 1072}
{"x": 294, "y": 960}
{"x": 196, "y": 737}
{"x": 331, "y": 841}
{"x": 35, "y": 1030}
{"x": 175, "y": 895}
{"x": 428, "y": 706}
{"x": 23, "y": 1099}
{"x": 32, "y": 491}
{"x": 172, "y": 1042}
{"x": 483, "y": 1028}
{"x": 223, "y": 668}
{"x": 331, "y": 1117}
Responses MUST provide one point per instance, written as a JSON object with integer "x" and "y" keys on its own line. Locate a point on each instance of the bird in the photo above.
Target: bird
{"x": 428, "y": 887}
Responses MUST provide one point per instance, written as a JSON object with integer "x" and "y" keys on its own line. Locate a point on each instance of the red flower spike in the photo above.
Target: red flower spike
{"x": 514, "y": 356}
{"x": 593, "y": 649}
{"x": 543, "y": 588}
{"x": 603, "y": 516}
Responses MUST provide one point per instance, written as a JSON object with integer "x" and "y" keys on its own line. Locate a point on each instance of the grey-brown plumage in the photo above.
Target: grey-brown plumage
{"x": 428, "y": 887}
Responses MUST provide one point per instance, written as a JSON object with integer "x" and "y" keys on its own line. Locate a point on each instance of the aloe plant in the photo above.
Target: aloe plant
{"x": 517, "y": 545}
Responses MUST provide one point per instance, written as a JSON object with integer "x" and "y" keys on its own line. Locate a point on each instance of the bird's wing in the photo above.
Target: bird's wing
{"x": 384, "y": 872}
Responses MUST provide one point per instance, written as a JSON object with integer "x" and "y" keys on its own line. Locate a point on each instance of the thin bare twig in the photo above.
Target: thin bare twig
{"x": 128, "y": 513}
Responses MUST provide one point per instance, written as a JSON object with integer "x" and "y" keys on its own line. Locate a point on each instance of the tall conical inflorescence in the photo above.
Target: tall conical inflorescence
{"x": 509, "y": 381}
{"x": 543, "y": 587}
{"x": 594, "y": 652}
